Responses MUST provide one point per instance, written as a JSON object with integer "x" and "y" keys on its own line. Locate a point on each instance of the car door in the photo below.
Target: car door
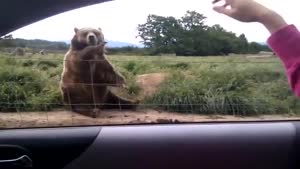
{"x": 259, "y": 145}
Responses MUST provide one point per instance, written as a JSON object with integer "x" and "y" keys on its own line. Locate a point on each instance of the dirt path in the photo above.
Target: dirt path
{"x": 65, "y": 118}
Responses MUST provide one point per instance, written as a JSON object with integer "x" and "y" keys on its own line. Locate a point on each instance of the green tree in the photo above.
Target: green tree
{"x": 193, "y": 21}
{"x": 254, "y": 48}
{"x": 193, "y": 38}
{"x": 160, "y": 33}
{"x": 190, "y": 36}
{"x": 243, "y": 44}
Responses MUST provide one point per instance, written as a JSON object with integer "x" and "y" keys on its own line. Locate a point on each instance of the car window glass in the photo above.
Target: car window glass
{"x": 158, "y": 61}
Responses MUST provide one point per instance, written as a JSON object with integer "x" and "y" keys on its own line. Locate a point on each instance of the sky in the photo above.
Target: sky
{"x": 119, "y": 19}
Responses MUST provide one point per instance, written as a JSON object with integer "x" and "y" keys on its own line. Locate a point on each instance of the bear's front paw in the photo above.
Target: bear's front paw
{"x": 120, "y": 81}
{"x": 95, "y": 113}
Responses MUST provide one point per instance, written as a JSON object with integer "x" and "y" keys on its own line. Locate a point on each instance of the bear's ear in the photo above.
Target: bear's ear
{"x": 76, "y": 30}
{"x": 99, "y": 29}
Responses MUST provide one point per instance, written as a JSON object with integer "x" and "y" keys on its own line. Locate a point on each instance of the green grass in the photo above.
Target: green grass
{"x": 233, "y": 85}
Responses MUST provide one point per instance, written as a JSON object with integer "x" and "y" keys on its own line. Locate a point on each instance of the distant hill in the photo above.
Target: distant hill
{"x": 33, "y": 44}
{"x": 262, "y": 43}
{"x": 117, "y": 44}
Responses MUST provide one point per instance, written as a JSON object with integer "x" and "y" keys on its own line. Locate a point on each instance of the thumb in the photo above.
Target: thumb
{"x": 223, "y": 10}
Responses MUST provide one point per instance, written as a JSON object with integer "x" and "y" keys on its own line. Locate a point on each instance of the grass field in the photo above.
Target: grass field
{"x": 233, "y": 85}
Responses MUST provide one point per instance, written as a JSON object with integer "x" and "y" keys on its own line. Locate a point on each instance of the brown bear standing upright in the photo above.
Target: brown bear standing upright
{"x": 87, "y": 74}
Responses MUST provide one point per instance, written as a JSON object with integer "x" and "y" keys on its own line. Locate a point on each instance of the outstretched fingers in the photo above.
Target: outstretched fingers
{"x": 223, "y": 8}
{"x": 216, "y": 1}
{"x": 227, "y": 2}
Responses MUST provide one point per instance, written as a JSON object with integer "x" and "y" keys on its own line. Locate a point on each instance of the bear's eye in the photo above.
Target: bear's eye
{"x": 85, "y": 34}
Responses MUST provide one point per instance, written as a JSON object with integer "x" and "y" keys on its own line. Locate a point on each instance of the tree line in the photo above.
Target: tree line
{"x": 33, "y": 44}
{"x": 190, "y": 36}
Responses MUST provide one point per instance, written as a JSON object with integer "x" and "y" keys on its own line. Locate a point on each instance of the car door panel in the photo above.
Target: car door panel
{"x": 211, "y": 146}
{"x": 48, "y": 148}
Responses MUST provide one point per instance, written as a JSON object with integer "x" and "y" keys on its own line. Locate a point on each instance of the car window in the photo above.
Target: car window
{"x": 148, "y": 62}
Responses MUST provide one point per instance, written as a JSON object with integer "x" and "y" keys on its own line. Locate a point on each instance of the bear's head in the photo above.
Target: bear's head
{"x": 87, "y": 37}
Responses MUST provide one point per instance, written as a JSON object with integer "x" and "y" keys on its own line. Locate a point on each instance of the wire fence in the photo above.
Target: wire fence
{"x": 235, "y": 86}
{"x": 157, "y": 58}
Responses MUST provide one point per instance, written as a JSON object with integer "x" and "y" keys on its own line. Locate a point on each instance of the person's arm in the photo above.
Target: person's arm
{"x": 284, "y": 40}
{"x": 286, "y": 44}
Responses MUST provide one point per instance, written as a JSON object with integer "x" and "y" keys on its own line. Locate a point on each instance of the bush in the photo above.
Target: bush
{"x": 133, "y": 88}
{"x": 180, "y": 65}
{"x": 28, "y": 63}
{"x": 130, "y": 66}
{"x": 22, "y": 89}
{"x": 45, "y": 65}
{"x": 135, "y": 68}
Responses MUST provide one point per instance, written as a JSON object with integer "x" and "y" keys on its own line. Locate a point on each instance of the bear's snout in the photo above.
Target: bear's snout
{"x": 92, "y": 39}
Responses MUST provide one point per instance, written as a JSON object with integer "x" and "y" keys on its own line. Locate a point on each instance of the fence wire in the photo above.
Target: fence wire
{"x": 158, "y": 58}
{"x": 183, "y": 96}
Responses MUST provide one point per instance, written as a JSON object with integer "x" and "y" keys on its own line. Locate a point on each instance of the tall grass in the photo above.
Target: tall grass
{"x": 209, "y": 85}
{"x": 211, "y": 93}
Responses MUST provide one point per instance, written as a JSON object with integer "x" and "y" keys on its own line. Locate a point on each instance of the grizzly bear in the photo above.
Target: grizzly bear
{"x": 87, "y": 75}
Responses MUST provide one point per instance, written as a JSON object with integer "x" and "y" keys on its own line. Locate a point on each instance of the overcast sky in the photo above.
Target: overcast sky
{"x": 119, "y": 19}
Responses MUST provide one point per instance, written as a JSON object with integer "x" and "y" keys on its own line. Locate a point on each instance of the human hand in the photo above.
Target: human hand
{"x": 242, "y": 10}
{"x": 250, "y": 11}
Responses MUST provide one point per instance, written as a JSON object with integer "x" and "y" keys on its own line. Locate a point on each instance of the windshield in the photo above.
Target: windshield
{"x": 144, "y": 62}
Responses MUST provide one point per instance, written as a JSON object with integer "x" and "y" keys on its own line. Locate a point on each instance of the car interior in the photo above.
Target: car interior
{"x": 208, "y": 145}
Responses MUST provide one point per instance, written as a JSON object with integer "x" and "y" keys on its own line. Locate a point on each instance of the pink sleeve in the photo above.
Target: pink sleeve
{"x": 286, "y": 44}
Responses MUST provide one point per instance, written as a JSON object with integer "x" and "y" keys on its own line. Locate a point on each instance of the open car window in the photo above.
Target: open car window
{"x": 163, "y": 62}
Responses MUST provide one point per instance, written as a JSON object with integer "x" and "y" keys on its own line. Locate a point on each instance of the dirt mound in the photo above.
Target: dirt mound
{"x": 149, "y": 83}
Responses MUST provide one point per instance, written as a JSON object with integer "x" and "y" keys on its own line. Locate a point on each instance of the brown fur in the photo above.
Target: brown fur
{"x": 88, "y": 74}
